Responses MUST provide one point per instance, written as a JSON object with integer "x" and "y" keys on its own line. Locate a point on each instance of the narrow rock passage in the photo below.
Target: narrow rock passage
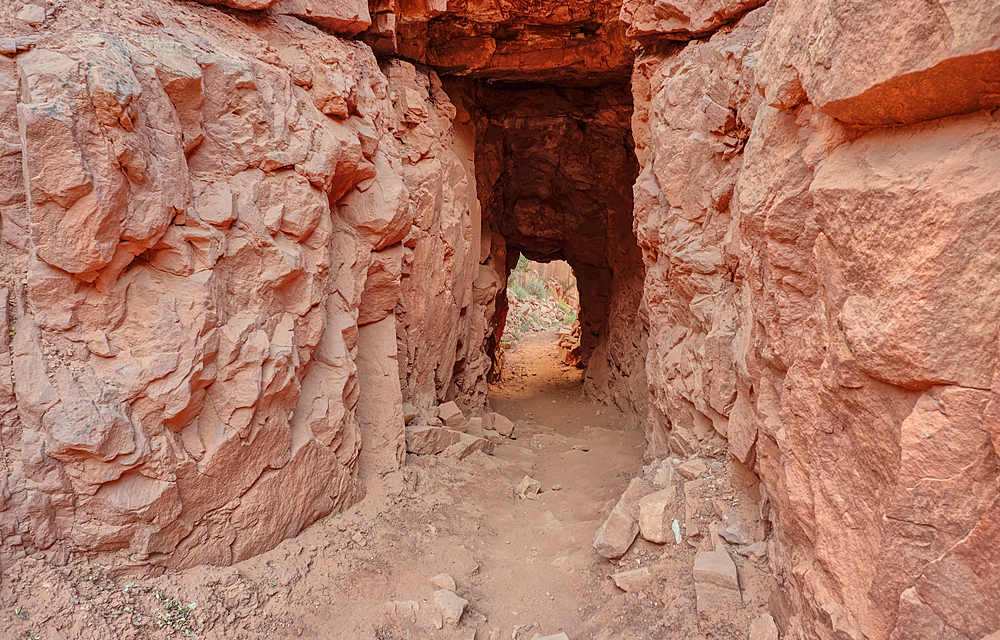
{"x": 525, "y": 566}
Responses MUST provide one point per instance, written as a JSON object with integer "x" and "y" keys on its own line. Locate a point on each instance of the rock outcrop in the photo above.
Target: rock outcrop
{"x": 822, "y": 297}
{"x": 238, "y": 252}
{"x": 203, "y": 259}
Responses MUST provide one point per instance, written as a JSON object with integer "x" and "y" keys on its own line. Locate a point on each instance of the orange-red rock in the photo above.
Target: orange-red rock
{"x": 882, "y": 63}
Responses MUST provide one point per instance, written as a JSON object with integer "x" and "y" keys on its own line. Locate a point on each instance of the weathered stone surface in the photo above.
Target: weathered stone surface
{"x": 847, "y": 61}
{"x": 343, "y": 17}
{"x": 450, "y": 605}
{"x": 613, "y": 538}
{"x": 633, "y": 580}
{"x": 203, "y": 402}
{"x": 424, "y": 440}
{"x": 468, "y": 445}
{"x": 785, "y": 320}
{"x": 656, "y": 515}
{"x": 380, "y": 414}
{"x": 682, "y": 19}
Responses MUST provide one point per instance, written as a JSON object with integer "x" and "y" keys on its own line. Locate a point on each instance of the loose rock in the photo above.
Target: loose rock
{"x": 503, "y": 425}
{"x": 32, "y": 14}
{"x": 467, "y": 445}
{"x": 656, "y": 513}
{"x": 633, "y": 580}
{"x": 616, "y": 535}
{"x": 444, "y": 581}
{"x": 450, "y": 605}
{"x": 763, "y": 628}
{"x": 528, "y": 487}
{"x": 692, "y": 469}
{"x": 424, "y": 440}
{"x": 452, "y": 417}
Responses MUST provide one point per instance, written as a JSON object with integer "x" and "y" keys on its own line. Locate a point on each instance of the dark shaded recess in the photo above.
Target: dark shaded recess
{"x": 555, "y": 167}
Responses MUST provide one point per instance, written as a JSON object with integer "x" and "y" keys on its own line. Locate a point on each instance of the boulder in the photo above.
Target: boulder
{"x": 656, "y": 514}
{"x": 452, "y": 417}
{"x": 613, "y": 538}
{"x": 424, "y": 440}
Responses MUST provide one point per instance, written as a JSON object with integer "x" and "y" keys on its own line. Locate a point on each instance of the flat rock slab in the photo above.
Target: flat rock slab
{"x": 716, "y": 567}
{"x": 616, "y": 535}
{"x": 467, "y": 445}
{"x": 426, "y": 441}
{"x": 633, "y": 580}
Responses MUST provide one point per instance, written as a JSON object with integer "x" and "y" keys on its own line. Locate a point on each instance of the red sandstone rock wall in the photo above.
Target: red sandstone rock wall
{"x": 823, "y": 296}
{"x": 202, "y": 262}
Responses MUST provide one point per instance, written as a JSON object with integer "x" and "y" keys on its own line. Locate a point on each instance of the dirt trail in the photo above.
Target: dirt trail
{"x": 526, "y": 566}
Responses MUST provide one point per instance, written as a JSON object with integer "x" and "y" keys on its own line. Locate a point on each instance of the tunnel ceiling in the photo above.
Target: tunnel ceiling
{"x": 566, "y": 42}
{"x": 555, "y": 168}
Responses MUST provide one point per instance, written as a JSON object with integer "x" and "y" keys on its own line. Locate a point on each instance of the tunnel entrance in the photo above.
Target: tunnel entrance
{"x": 554, "y": 168}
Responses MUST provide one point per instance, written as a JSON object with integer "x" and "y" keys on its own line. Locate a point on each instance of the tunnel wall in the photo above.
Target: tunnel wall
{"x": 555, "y": 168}
{"x": 818, "y": 223}
{"x": 222, "y": 252}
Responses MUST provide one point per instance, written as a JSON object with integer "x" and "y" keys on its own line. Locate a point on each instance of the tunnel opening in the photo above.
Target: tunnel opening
{"x": 542, "y": 297}
{"x": 555, "y": 166}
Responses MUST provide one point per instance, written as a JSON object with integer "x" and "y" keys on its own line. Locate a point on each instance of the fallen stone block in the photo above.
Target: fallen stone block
{"x": 452, "y": 417}
{"x": 503, "y": 425}
{"x": 423, "y": 440}
{"x": 475, "y": 427}
{"x": 492, "y": 436}
{"x": 656, "y": 512}
{"x": 692, "y": 469}
{"x": 450, "y": 605}
{"x": 613, "y": 538}
{"x": 467, "y": 445}
{"x": 716, "y": 567}
{"x": 633, "y": 580}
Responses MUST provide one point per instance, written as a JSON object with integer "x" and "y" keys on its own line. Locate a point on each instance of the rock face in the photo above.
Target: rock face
{"x": 202, "y": 222}
{"x": 822, "y": 297}
{"x": 235, "y": 246}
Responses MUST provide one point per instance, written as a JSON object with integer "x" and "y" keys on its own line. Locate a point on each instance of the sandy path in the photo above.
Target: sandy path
{"x": 526, "y": 566}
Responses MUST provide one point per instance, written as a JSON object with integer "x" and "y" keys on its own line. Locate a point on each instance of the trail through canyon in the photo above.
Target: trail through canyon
{"x": 526, "y": 565}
